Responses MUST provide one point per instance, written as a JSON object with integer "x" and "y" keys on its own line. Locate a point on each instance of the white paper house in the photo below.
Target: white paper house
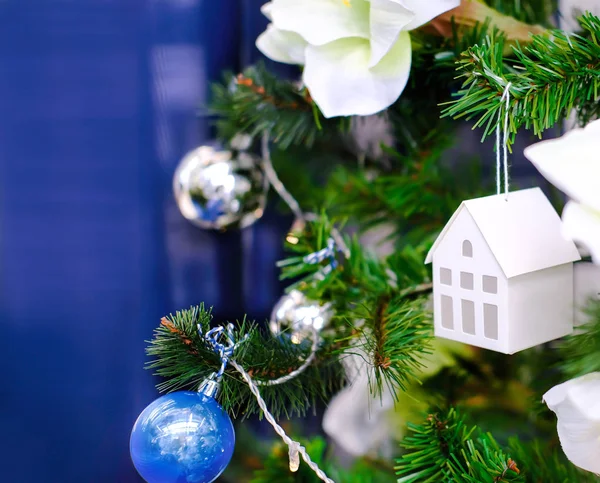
{"x": 503, "y": 273}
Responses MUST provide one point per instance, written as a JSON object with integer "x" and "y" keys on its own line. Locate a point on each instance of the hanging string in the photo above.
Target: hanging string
{"x": 287, "y": 196}
{"x": 225, "y": 351}
{"x": 498, "y": 163}
{"x": 503, "y": 163}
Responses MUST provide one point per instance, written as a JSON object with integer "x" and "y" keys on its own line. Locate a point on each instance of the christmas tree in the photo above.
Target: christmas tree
{"x": 360, "y": 146}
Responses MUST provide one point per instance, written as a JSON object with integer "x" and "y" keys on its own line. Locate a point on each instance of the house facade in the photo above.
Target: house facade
{"x": 503, "y": 273}
{"x": 470, "y": 290}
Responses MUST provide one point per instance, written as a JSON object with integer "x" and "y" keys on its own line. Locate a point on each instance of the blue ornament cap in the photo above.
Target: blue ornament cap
{"x": 182, "y": 437}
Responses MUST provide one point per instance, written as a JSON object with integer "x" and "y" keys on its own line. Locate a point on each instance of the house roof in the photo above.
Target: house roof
{"x": 523, "y": 232}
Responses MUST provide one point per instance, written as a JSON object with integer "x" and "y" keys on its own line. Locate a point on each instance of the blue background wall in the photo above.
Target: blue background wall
{"x": 98, "y": 101}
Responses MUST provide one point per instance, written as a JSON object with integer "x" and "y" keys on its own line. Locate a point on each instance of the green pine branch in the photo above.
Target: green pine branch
{"x": 184, "y": 360}
{"x": 387, "y": 321}
{"x": 257, "y": 101}
{"x": 395, "y": 337}
{"x": 549, "y": 78}
{"x": 528, "y": 11}
{"x": 417, "y": 198}
{"x": 444, "y": 449}
{"x": 380, "y": 309}
{"x": 580, "y": 351}
{"x": 545, "y": 461}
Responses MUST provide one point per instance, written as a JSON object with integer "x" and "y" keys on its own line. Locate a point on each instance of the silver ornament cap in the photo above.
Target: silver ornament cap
{"x": 211, "y": 386}
{"x": 220, "y": 189}
{"x": 298, "y": 317}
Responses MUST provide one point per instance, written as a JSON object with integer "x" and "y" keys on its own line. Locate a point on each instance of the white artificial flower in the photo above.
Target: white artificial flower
{"x": 356, "y": 53}
{"x": 570, "y": 10}
{"x": 571, "y": 163}
{"x": 577, "y": 407}
{"x": 363, "y": 424}
{"x": 368, "y": 135}
{"x": 357, "y": 421}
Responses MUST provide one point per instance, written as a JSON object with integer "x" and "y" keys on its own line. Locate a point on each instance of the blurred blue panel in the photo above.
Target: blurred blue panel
{"x": 262, "y": 249}
{"x": 98, "y": 100}
{"x": 262, "y": 243}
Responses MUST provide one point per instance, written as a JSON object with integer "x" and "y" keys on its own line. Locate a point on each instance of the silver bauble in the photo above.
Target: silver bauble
{"x": 297, "y": 316}
{"x": 220, "y": 189}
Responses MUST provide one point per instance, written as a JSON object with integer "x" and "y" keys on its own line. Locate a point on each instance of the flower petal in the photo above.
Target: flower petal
{"x": 282, "y": 46}
{"x": 571, "y": 163}
{"x": 558, "y": 394}
{"x": 322, "y": 21}
{"x": 585, "y": 396}
{"x": 426, "y": 10}
{"x": 266, "y": 10}
{"x": 342, "y": 84}
{"x": 387, "y": 19}
{"x": 575, "y": 403}
{"x": 579, "y": 441}
{"x": 354, "y": 419}
{"x": 582, "y": 225}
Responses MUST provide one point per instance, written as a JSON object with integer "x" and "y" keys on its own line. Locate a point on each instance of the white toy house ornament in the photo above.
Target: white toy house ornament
{"x": 503, "y": 273}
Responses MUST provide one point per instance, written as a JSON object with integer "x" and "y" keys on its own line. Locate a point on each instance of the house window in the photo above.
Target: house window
{"x": 490, "y": 284}
{"x": 447, "y": 313}
{"x": 490, "y": 321}
{"x": 468, "y": 316}
{"x": 467, "y": 249}
{"x": 446, "y": 276}
{"x": 466, "y": 280}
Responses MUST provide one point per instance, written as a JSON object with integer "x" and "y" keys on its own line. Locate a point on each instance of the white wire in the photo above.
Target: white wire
{"x": 275, "y": 181}
{"x": 295, "y": 447}
{"x": 316, "y": 339}
{"x": 225, "y": 352}
{"x": 287, "y": 196}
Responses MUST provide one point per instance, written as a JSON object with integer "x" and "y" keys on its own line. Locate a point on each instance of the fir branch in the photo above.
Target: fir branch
{"x": 417, "y": 198}
{"x": 394, "y": 328}
{"x": 549, "y": 78}
{"x": 529, "y": 11}
{"x": 419, "y": 126}
{"x": 445, "y": 449}
{"x": 579, "y": 351}
{"x": 395, "y": 335}
{"x": 545, "y": 461}
{"x": 183, "y": 358}
{"x": 256, "y": 101}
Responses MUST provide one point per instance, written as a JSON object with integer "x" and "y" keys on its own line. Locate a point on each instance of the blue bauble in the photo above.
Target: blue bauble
{"x": 182, "y": 437}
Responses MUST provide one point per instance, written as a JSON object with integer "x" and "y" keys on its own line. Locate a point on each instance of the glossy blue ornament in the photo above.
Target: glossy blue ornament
{"x": 182, "y": 437}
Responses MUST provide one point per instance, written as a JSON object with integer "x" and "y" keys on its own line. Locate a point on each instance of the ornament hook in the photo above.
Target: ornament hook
{"x": 328, "y": 252}
{"x": 224, "y": 350}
